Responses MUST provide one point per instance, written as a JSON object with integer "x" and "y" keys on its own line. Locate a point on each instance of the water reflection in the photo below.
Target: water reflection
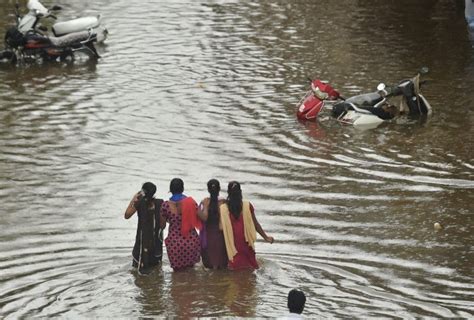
{"x": 239, "y": 293}
{"x": 314, "y": 129}
{"x": 197, "y": 293}
{"x": 151, "y": 300}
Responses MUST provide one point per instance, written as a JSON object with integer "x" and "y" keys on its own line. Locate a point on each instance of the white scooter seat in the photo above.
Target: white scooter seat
{"x": 360, "y": 110}
{"x": 76, "y": 25}
{"x": 72, "y": 38}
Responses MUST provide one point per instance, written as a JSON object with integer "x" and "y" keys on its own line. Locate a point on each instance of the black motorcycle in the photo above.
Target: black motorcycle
{"x": 33, "y": 46}
{"x": 386, "y": 103}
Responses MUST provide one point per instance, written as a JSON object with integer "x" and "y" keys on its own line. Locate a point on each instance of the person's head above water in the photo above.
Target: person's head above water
{"x": 149, "y": 190}
{"x": 176, "y": 186}
{"x": 234, "y": 190}
{"x": 234, "y": 198}
{"x": 296, "y": 301}
{"x": 213, "y": 186}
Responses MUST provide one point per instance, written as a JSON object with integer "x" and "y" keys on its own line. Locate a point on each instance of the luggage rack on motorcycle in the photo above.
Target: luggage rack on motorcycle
{"x": 87, "y": 44}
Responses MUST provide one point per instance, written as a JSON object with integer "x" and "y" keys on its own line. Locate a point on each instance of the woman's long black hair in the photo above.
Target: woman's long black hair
{"x": 234, "y": 198}
{"x": 146, "y": 201}
{"x": 213, "y": 186}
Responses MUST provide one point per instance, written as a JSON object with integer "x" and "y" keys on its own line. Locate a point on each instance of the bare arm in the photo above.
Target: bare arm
{"x": 259, "y": 228}
{"x": 131, "y": 207}
{"x": 203, "y": 210}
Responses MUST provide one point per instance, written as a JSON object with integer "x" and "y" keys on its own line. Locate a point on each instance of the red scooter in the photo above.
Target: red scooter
{"x": 313, "y": 102}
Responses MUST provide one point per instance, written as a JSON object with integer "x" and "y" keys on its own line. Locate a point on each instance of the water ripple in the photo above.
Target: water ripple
{"x": 201, "y": 89}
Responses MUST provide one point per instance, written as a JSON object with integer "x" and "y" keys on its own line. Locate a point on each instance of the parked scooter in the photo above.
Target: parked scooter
{"x": 369, "y": 109}
{"x": 469, "y": 15}
{"x": 33, "y": 46}
{"x": 37, "y": 12}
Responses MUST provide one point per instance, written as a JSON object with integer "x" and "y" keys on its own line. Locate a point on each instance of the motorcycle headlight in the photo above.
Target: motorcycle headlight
{"x": 318, "y": 93}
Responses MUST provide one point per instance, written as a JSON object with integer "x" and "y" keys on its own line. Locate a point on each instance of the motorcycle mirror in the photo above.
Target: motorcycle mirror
{"x": 381, "y": 86}
{"x": 424, "y": 70}
{"x": 56, "y": 8}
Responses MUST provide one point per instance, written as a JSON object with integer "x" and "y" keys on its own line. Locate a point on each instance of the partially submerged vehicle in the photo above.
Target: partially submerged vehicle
{"x": 368, "y": 109}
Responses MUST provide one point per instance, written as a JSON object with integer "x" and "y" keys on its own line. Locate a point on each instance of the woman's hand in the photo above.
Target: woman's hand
{"x": 137, "y": 197}
{"x": 269, "y": 239}
{"x": 131, "y": 209}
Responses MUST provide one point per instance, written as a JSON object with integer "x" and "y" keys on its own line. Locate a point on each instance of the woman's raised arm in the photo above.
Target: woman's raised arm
{"x": 131, "y": 207}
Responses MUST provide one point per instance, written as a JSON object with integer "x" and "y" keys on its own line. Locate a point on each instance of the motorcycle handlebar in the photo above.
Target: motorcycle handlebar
{"x": 395, "y": 91}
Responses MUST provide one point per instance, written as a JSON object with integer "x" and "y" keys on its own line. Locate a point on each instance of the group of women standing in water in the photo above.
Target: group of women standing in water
{"x": 221, "y": 231}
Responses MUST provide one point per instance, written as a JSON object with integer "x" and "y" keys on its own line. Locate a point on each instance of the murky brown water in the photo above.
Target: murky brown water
{"x": 202, "y": 89}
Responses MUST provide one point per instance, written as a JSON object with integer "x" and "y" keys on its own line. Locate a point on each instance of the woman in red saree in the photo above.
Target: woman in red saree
{"x": 240, "y": 227}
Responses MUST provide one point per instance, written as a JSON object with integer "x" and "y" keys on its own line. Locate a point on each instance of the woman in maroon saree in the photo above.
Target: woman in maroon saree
{"x": 213, "y": 251}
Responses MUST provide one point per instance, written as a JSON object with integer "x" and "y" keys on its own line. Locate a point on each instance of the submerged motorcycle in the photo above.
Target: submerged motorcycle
{"x": 319, "y": 94}
{"x": 369, "y": 109}
{"x": 25, "y": 43}
{"x": 37, "y": 12}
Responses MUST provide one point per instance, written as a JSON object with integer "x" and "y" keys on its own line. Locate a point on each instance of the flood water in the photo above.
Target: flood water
{"x": 207, "y": 89}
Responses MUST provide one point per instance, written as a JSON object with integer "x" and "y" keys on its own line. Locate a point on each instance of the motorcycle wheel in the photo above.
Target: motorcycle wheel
{"x": 90, "y": 50}
{"x": 8, "y": 57}
{"x": 67, "y": 56}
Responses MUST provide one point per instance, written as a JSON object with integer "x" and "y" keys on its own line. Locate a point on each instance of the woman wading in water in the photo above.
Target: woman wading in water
{"x": 213, "y": 251}
{"x": 148, "y": 249}
{"x": 182, "y": 243}
{"x": 240, "y": 227}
